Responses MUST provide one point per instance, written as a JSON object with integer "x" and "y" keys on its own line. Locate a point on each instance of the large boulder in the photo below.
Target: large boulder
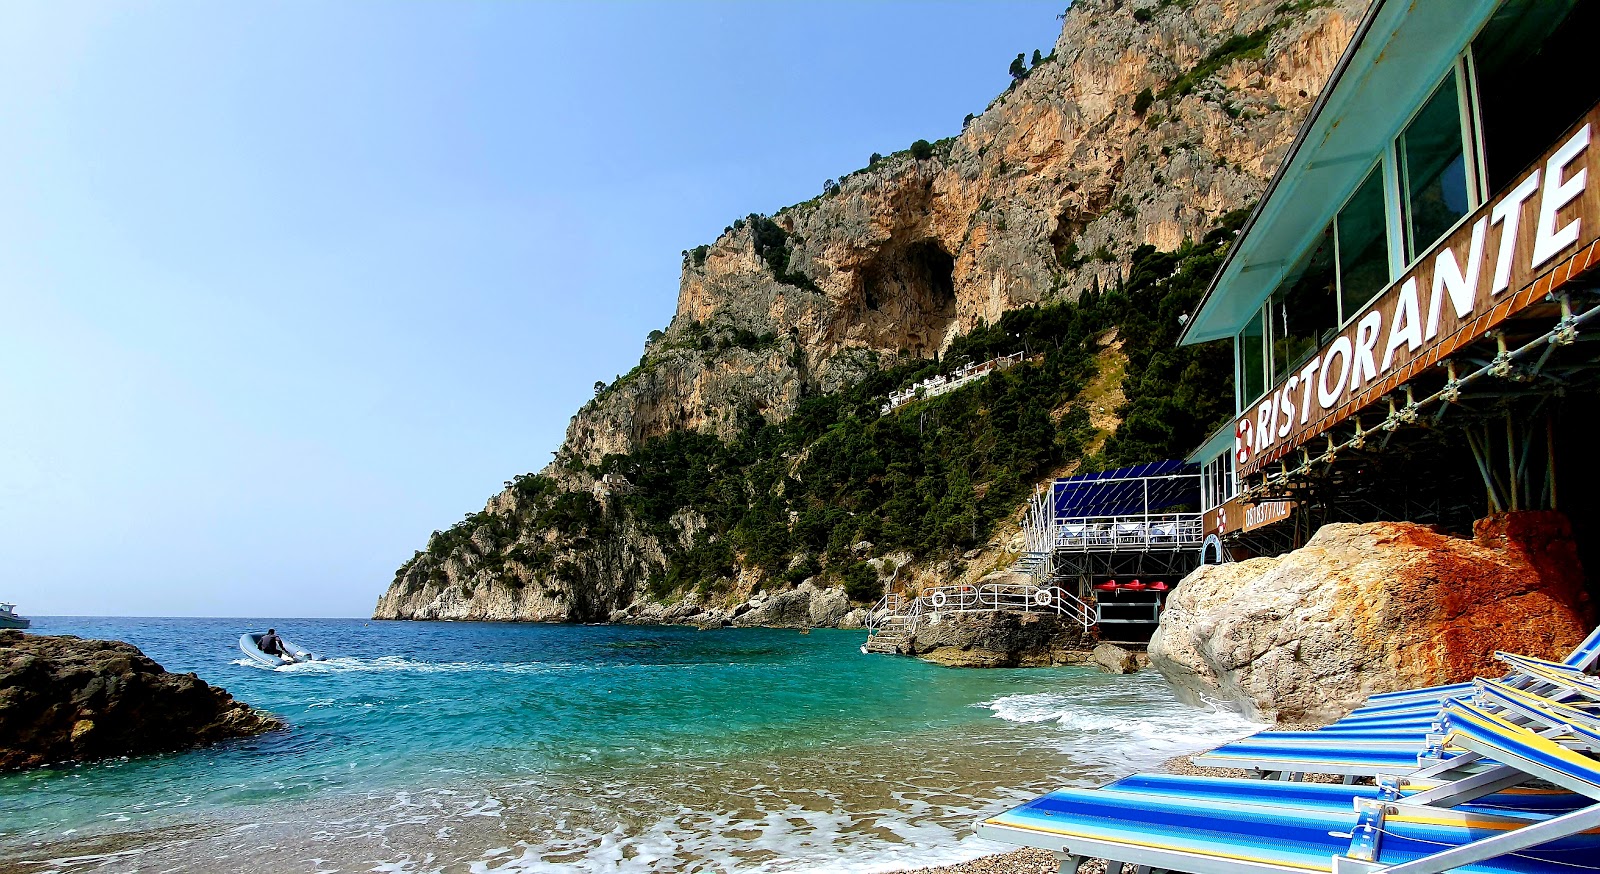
{"x": 67, "y": 699}
{"x": 1113, "y": 659}
{"x": 996, "y": 639}
{"x": 829, "y": 607}
{"x": 1369, "y": 608}
{"x": 791, "y": 609}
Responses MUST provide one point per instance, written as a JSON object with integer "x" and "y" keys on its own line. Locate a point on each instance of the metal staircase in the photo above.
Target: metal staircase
{"x": 893, "y": 622}
{"x": 1034, "y": 564}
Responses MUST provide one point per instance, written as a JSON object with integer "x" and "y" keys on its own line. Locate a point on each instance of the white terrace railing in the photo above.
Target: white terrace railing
{"x": 895, "y": 617}
{"x": 1047, "y": 535}
{"x": 1018, "y": 597}
{"x": 943, "y": 384}
{"x": 1128, "y": 533}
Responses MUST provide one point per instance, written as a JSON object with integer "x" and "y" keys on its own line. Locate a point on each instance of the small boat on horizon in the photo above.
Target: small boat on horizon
{"x": 250, "y": 645}
{"x": 9, "y": 617}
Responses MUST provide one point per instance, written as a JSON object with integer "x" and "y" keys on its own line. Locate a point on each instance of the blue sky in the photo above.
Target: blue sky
{"x": 286, "y": 286}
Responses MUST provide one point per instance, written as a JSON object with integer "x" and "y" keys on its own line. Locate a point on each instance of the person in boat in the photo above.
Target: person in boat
{"x": 272, "y": 644}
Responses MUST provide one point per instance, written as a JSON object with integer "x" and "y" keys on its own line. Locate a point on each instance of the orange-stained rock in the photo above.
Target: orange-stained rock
{"x": 1369, "y": 608}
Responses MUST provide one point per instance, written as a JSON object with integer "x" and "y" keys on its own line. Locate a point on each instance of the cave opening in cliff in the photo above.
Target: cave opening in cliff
{"x": 909, "y": 293}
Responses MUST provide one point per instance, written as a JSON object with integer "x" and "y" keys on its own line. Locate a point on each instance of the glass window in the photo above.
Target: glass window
{"x": 1433, "y": 169}
{"x": 1305, "y": 308}
{"x": 1217, "y": 481}
{"x": 1527, "y": 46}
{"x": 1363, "y": 246}
{"x": 1252, "y": 360}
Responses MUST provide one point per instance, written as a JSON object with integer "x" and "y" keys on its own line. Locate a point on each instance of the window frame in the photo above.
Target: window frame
{"x": 1388, "y": 163}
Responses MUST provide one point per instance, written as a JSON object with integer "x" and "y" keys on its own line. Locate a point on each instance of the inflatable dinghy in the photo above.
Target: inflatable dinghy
{"x": 249, "y": 644}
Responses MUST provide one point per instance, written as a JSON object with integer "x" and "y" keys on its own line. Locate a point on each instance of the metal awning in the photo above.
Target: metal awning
{"x": 1125, "y": 491}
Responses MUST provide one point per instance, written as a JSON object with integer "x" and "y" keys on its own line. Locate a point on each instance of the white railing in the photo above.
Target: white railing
{"x": 1024, "y": 597}
{"x": 1152, "y": 531}
{"x": 943, "y": 384}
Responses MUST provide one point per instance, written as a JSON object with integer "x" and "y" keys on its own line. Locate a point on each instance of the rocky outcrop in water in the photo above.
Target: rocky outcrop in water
{"x": 1146, "y": 123}
{"x": 998, "y": 639}
{"x": 1308, "y": 635}
{"x": 68, "y": 699}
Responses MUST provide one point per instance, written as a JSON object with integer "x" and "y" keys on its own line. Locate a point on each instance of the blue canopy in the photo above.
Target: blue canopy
{"x": 1121, "y": 492}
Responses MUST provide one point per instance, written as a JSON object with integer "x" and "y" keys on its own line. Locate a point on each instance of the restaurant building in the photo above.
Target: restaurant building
{"x": 1411, "y": 305}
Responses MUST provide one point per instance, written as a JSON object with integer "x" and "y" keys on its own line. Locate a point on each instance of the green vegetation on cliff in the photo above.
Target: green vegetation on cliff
{"x": 934, "y": 478}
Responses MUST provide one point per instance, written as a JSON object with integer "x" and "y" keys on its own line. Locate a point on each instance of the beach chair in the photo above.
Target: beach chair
{"x": 1411, "y": 747}
{"x": 1475, "y": 822}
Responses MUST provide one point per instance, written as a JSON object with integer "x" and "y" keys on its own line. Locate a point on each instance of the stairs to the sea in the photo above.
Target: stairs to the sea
{"x": 894, "y": 622}
{"x": 894, "y": 631}
{"x": 1030, "y": 563}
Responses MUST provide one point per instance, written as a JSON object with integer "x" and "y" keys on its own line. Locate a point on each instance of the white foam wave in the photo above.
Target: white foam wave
{"x": 794, "y": 838}
{"x": 1131, "y": 733}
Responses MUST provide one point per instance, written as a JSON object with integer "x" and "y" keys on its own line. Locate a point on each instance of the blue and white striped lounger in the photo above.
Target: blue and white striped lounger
{"x": 1205, "y": 836}
{"x": 1215, "y": 826}
{"x": 1334, "y": 757}
{"x": 1337, "y": 797}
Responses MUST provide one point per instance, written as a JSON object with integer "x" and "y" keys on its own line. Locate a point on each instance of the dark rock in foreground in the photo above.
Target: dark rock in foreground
{"x": 68, "y": 699}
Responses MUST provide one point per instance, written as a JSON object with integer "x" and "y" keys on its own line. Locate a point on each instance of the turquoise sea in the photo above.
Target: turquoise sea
{"x": 471, "y": 747}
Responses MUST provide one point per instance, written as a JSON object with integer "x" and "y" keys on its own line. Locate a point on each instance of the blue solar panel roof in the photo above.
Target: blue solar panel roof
{"x": 1171, "y": 484}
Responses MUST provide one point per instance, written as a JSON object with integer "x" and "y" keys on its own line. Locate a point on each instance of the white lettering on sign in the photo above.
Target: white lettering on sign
{"x": 1558, "y": 192}
{"x": 1256, "y": 515}
{"x": 1352, "y": 360}
{"x": 1508, "y": 214}
{"x": 1447, "y": 278}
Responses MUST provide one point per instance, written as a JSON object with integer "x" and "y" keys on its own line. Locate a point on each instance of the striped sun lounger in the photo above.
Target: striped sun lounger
{"x": 1336, "y": 797}
{"x": 1334, "y": 757}
{"x": 1484, "y": 820}
{"x": 1204, "y": 836}
{"x": 1399, "y": 738}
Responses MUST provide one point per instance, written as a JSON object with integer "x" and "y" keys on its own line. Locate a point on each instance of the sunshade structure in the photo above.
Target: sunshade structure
{"x": 1127, "y": 491}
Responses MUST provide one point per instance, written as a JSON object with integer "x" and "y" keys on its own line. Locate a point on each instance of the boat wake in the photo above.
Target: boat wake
{"x": 400, "y": 664}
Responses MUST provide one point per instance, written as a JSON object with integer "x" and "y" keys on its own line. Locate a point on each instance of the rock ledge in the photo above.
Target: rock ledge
{"x": 69, "y": 699}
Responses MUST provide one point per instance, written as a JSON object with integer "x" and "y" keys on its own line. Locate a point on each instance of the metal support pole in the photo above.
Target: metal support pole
{"x": 1511, "y": 461}
{"x": 1479, "y": 455}
{"x": 1550, "y": 457}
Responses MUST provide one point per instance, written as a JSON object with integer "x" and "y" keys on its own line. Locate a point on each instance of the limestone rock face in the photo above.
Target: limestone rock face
{"x": 1043, "y": 196}
{"x": 1013, "y": 211}
{"x": 67, "y": 699}
{"x": 997, "y": 639}
{"x": 1371, "y": 608}
{"x": 805, "y": 606}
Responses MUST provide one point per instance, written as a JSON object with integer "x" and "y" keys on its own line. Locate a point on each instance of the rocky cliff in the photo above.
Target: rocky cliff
{"x": 1044, "y": 194}
{"x": 1362, "y": 609}
{"x": 1147, "y": 123}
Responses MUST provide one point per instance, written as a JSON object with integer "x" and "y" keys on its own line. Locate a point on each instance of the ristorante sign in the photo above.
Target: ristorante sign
{"x": 1509, "y": 254}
